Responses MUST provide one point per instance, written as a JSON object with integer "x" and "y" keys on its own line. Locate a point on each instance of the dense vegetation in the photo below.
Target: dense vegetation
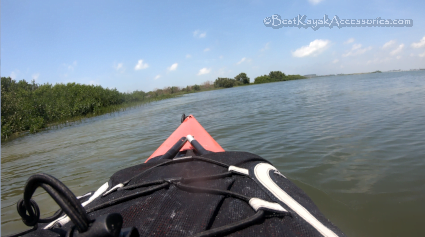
{"x": 30, "y": 107}
{"x": 240, "y": 79}
{"x": 275, "y": 76}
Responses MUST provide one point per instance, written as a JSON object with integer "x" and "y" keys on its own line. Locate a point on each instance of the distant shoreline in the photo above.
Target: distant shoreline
{"x": 28, "y": 120}
{"x": 361, "y": 73}
{"x": 28, "y": 107}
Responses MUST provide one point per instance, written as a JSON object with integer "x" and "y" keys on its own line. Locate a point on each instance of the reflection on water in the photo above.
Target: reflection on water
{"x": 355, "y": 144}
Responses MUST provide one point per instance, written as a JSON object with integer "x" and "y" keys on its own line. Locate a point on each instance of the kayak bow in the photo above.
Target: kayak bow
{"x": 189, "y": 126}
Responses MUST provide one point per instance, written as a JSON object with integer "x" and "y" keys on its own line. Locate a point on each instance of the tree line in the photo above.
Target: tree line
{"x": 28, "y": 106}
{"x": 275, "y": 76}
{"x": 240, "y": 79}
{"x": 243, "y": 79}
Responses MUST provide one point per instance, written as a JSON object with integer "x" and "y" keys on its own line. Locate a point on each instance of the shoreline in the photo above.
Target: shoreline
{"x": 133, "y": 104}
{"x": 103, "y": 111}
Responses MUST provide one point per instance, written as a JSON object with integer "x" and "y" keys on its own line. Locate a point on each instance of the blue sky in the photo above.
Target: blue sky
{"x": 141, "y": 45}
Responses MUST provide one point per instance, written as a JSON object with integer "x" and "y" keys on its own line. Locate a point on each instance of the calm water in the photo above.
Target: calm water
{"x": 355, "y": 144}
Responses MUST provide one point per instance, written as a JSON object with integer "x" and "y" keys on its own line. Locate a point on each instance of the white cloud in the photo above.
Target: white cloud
{"x": 349, "y": 41}
{"x": 72, "y": 66}
{"x": 242, "y": 60}
{"x": 157, "y": 76}
{"x": 335, "y": 61}
{"x": 388, "y": 44}
{"x": 266, "y": 47}
{"x": 207, "y": 49}
{"x": 397, "y": 50}
{"x": 314, "y": 48}
{"x": 188, "y": 56}
{"x": 221, "y": 57}
{"x": 356, "y": 46}
{"x": 140, "y": 65}
{"x": 173, "y": 67}
{"x": 372, "y": 61}
{"x": 199, "y": 34}
{"x": 118, "y": 66}
{"x": 419, "y": 44}
{"x": 204, "y": 71}
{"x": 35, "y": 76}
{"x": 422, "y": 55}
{"x": 356, "y": 50}
{"x": 314, "y": 2}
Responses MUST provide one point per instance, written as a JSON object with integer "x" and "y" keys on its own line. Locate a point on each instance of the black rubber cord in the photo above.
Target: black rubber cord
{"x": 235, "y": 226}
{"x": 60, "y": 193}
{"x": 183, "y": 180}
{"x": 166, "y": 183}
{"x": 140, "y": 185}
{"x": 72, "y": 207}
{"x": 226, "y": 193}
{"x": 172, "y": 152}
{"x": 209, "y": 177}
{"x": 32, "y": 218}
{"x": 55, "y": 216}
{"x": 128, "y": 197}
{"x": 179, "y": 161}
{"x": 74, "y": 215}
{"x": 27, "y": 219}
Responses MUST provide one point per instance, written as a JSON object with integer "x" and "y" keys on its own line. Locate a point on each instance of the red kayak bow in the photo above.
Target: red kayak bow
{"x": 189, "y": 126}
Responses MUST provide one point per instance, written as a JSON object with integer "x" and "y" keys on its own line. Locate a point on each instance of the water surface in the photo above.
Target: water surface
{"x": 355, "y": 144}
